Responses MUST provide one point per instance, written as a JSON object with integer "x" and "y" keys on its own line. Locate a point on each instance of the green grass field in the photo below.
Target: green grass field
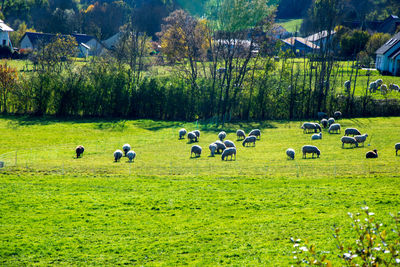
{"x": 169, "y": 209}
{"x": 291, "y": 25}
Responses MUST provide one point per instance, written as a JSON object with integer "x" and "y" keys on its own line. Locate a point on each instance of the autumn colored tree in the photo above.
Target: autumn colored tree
{"x": 8, "y": 82}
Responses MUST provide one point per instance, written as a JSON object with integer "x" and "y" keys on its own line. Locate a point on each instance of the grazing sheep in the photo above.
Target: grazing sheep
{"x": 213, "y": 148}
{"x": 256, "y": 133}
{"x": 222, "y": 136}
{"x": 361, "y": 138}
{"x": 192, "y": 137}
{"x": 249, "y": 140}
{"x": 117, "y": 155}
{"x": 197, "y": 133}
{"x": 379, "y": 82}
{"x": 316, "y": 136}
{"x": 240, "y": 134}
{"x": 384, "y": 89}
{"x": 311, "y": 126}
{"x": 352, "y": 131}
{"x": 79, "y": 151}
{"x": 337, "y": 115}
{"x": 126, "y": 148}
{"x": 371, "y": 154}
{"x": 229, "y": 143}
{"x": 394, "y": 87}
{"x": 324, "y": 123}
{"x": 230, "y": 151}
{"x": 331, "y": 121}
{"x": 196, "y": 150}
{"x": 182, "y": 133}
{"x": 290, "y": 153}
{"x": 131, "y": 155}
{"x": 349, "y": 140}
{"x": 334, "y": 128}
{"x": 373, "y": 86}
{"x": 311, "y": 150}
{"x": 322, "y": 115}
{"x": 397, "y": 147}
{"x": 220, "y": 146}
{"x": 347, "y": 86}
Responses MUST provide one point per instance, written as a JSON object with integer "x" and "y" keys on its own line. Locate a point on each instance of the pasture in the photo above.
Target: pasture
{"x": 169, "y": 209}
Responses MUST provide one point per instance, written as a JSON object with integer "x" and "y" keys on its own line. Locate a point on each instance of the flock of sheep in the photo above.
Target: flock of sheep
{"x": 352, "y": 136}
{"x": 226, "y": 148}
{"x": 375, "y": 86}
{"x": 118, "y": 154}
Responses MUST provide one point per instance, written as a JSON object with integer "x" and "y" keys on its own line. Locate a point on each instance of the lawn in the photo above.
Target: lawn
{"x": 291, "y": 25}
{"x": 169, "y": 209}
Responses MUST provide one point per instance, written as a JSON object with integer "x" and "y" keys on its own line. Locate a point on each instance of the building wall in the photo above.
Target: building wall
{"x": 26, "y": 43}
{"x": 5, "y": 39}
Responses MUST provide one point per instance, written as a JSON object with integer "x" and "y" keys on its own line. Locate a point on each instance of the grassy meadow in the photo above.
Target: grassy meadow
{"x": 291, "y": 25}
{"x": 169, "y": 209}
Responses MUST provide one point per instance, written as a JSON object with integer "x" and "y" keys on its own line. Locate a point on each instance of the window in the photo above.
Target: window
{"x": 4, "y": 42}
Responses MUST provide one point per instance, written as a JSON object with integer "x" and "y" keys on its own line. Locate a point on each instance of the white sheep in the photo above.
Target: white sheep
{"x": 384, "y": 89}
{"x": 249, "y": 140}
{"x": 192, "y": 137}
{"x": 131, "y": 155}
{"x": 213, "y": 148}
{"x": 196, "y": 150}
{"x": 197, "y": 133}
{"x": 182, "y": 133}
{"x": 331, "y": 121}
{"x": 256, "y": 133}
{"x": 220, "y": 146}
{"x": 397, "y": 147}
{"x": 230, "y": 151}
{"x": 117, "y": 155}
{"x": 126, "y": 148}
{"x": 310, "y": 150}
{"x": 290, "y": 153}
{"x": 334, "y": 128}
{"x": 361, "y": 138}
{"x": 316, "y": 136}
{"x": 394, "y": 87}
{"x": 79, "y": 151}
{"x": 222, "y": 136}
{"x": 311, "y": 126}
{"x": 351, "y": 131}
{"x": 373, "y": 86}
{"x": 347, "y": 86}
{"x": 337, "y": 115}
{"x": 240, "y": 134}
{"x": 324, "y": 123}
{"x": 349, "y": 140}
{"x": 379, "y": 82}
{"x": 229, "y": 143}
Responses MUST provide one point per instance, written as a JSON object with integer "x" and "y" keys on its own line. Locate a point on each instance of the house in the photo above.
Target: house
{"x": 321, "y": 38}
{"x": 388, "y": 25}
{"x": 111, "y": 42}
{"x": 299, "y": 46}
{"x": 388, "y": 56}
{"x": 87, "y": 45}
{"x": 4, "y": 35}
{"x": 279, "y": 32}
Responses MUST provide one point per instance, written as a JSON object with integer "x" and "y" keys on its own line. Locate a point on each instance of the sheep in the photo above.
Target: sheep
{"x": 229, "y": 143}
{"x": 397, "y": 147}
{"x": 384, "y": 89}
{"x": 371, "y": 154}
{"x": 126, "y": 148}
{"x": 337, "y": 115}
{"x": 373, "y": 86}
{"x": 79, "y": 151}
{"x": 334, "y": 128}
{"x": 192, "y": 136}
{"x": 182, "y": 133}
{"x": 352, "y": 131}
{"x": 117, "y": 155}
{"x": 347, "y": 86}
{"x": 290, "y": 153}
{"x": 249, "y": 140}
{"x": 220, "y": 146}
{"x": 394, "y": 87}
{"x": 222, "y": 136}
{"x": 310, "y": 149}
{"x": 230, "y": 151}
{"x": 240, "y": 134}
{"x": 213, "y": 148}
{"x": 331, "y": 121}
{"x": 311, "y": 126}
{"x": 196, "y": 150}
{"x": 379, "y": 82}
{"x": 349, "y": 140}
{"x": 197, "y": 133}
{"x": 361, "y": 138}
{"x": 256, "y": 133}
{"x": 316, "y": 136}
{"x": 131, "y": 155}
{"x": 324, "y": 123}
{"x": 322, "y": 115}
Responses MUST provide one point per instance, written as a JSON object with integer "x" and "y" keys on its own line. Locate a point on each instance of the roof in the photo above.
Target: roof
{"x": 45, "y": 38}
{"x": 292, "y": 40}
{"x": 4, "y": 27}
{"x": 318, "y": 36}
{"x": 389, "y": 44}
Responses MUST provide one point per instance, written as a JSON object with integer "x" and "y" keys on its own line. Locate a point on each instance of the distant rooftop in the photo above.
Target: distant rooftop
{"x": 4, "y": 27}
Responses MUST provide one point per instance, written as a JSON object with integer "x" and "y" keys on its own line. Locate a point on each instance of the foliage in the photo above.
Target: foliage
{"x": 375, "y": 42}
{"x": 16, "y": 36}
{"x": 353, "y": 42}
{"x": 8, "y": 83}
{"x": 372, "y": 246}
